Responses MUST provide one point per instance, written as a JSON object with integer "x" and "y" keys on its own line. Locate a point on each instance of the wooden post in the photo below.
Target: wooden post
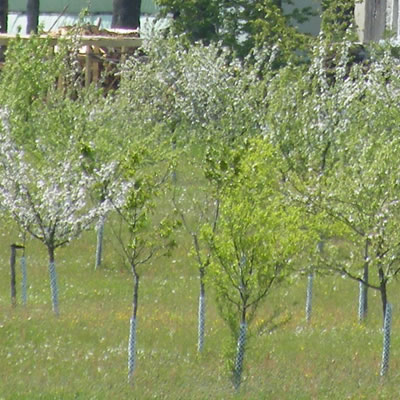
{"x": 95, "y": 66}
{"x": 92, "y": 48}
{"x": 123, "y": 54}
{"x": 14, "y": 248}
{"x": 88, "y": 66}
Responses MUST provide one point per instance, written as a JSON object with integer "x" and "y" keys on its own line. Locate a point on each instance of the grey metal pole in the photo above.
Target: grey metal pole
{"x": 310, "y": 282}
{"x": 99, "y": 246}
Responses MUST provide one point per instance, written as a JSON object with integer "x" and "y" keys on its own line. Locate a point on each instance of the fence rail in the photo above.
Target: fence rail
{"x": 95, "y": 50}
{"x": 85, "y": 40}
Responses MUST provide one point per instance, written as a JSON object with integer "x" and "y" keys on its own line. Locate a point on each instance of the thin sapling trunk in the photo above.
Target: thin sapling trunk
{"x": 363, "y": 300}
{"x": 382, "y": 289}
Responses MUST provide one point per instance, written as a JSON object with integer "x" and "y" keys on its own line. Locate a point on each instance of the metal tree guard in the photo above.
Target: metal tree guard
{"x": 241, "y": 343}
{"x": 310, "y": 282}
{"x": 387, "y": 327}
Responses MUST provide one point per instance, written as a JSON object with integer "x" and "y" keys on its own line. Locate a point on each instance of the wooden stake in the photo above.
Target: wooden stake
{"x": 14, "y": 248}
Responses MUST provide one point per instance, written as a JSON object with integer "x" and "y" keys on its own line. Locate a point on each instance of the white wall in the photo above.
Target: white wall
{"x": 17, "y": 22}
{"x": 376, "y": 18}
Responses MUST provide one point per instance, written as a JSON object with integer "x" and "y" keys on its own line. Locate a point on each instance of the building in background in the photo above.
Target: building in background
{"x": 376, "y": 19}
{"x": 57, "y": 13}
{"x": 373, "y": 18}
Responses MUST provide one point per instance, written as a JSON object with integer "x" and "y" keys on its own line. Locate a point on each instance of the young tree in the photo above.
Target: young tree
{"x": 126, "y": 14}
{"x": 196, "y": 209}
{"x": 210, "y": 95}
{"x": 141, "y": 237}
{"x": 256, "y": 242}
{"x": 47, "y": 198}
{"x": 46, "y": 184}
{"x": 339, "y": 158}
{"x": 202, "y": 101}
{"x": 363, "y": 189}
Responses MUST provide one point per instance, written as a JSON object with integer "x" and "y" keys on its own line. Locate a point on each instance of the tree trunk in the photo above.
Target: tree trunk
{"x": 383, "y": 290}
{"x": 135, "y": 292}
{"x": 3, "y": 15}
{"x": 363, "y": 301}
{"x": 126, "y": 14}
{"x": 32, "y": 12}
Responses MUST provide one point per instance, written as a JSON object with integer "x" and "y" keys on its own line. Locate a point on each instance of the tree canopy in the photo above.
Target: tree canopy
{"x": 241, "y": 25}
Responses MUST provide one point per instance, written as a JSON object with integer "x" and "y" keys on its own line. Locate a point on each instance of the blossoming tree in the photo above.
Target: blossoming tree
{"x": 48, "y": 197}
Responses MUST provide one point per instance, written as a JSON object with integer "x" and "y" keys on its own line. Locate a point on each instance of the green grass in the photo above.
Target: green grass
{"x": 83, "y": 353}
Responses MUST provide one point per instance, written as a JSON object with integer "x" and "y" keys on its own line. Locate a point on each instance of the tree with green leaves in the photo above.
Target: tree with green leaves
{"x": 334, "y": 127}
{"x": 197, "y": 206}
{"x": 202, "y": 102}
{"x": 240, "y": 25}
{"x": 337, "y": 18}
{"x": 363, "y": 189}
{"x": 141, "y": 237}
{"x": 258, "y": 237}
{"x": 44, "y": 185}
{"x": 47, "y": 198}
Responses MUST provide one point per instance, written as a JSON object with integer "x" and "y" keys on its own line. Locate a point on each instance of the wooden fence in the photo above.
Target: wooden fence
{"x": 96, "y": 51}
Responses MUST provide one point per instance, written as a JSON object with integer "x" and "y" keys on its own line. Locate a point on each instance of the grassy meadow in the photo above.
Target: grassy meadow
{"x": 83, "y": 353}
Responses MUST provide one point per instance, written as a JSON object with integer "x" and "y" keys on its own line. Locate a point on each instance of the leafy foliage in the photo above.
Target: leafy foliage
{"x": 337, "y": 136}
{"x": 258, "y": 236}
{"x": 239, "y": 25}
{"x": 268, "y": 162}
{"x": 337, "y": 18}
